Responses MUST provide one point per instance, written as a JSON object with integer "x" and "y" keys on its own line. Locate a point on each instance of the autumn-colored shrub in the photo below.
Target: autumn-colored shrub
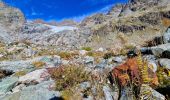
{"x": 68, "y": 76}
{"x": 46, "y": 52}
{"x": 67, "y": 55}
{"x": 166, "y": 22}
{"x": 38, "y": 64}
{"x": 134, "y": 73}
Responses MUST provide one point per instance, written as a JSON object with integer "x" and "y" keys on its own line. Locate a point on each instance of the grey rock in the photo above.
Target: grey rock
{"x": 147, "y": 93}
{"x": 126, "y": 11}
{"x": 89, "y": 60}
{"x": 19, "y": 64}
{"x": 57, "y": 60}
{"x": 85, "y": 85}
{"x": 166, "y": 54}
{"x": 117, "y": 59}
{"x": 46, "y": 59}
{"x": 38, "y": 92}
{"x": 94, "y": 90}
{"x": 166, "y": 36}
{"x": 52, "y": 61}
{"x": 107, "y": 93}
{"x": 35, "y": 76}
{"x": 103, "y": 64}
{"x": 165, "y": 63}
{"x": 126, "y": 94}
{"x": 115, "y": 92}
{"x": 18, "y": 88}
{"x": 88, "y": 98}
{"x": 158, "y": 50}
{"x": 7, "y": 84}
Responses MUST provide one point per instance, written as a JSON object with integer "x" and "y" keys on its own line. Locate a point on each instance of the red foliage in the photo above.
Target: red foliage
{"x": 129, "y": 73}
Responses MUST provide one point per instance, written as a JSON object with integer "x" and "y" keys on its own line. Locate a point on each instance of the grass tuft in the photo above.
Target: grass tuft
{"x": 38, "y": 64}
{"x": 87, "y": 48}
{"x": 69, "y": 76}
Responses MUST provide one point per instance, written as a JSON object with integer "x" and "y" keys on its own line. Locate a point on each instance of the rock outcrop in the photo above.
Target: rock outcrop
{"x": 11, "y": 20}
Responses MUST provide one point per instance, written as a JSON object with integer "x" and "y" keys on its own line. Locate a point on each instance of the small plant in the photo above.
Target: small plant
{"x": 108, "y": 55}
{"x": 95, "y": 54}
{"x": 65, "y": 55}
{"x": 38, "y": 64}
{"x": 68, "y": 76}
{"x": 20, "y": 73}
{"x": 163, "y": 75}
{"x": 46, "y": 52}
{"x": 90, "y": 54}
{"x": 86, "y": 48}
{"x": 122, "y": 37}
{"x": 129, "y": 47}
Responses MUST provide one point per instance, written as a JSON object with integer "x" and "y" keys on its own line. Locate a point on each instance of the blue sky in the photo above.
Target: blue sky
{"x": 61, "y": 9}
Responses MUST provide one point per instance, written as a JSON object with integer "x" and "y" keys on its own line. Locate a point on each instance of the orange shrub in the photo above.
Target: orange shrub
{"x": 166, "y": 22}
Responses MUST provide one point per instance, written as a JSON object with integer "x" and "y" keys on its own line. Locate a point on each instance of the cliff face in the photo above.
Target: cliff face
{"x": 11, "y": 19}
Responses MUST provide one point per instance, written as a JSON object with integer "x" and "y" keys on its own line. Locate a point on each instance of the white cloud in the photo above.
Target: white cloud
{"x": 81, "y": 17}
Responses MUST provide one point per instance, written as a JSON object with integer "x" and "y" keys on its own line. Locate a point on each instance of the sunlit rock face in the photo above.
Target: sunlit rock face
{"x": 11, "y": 19}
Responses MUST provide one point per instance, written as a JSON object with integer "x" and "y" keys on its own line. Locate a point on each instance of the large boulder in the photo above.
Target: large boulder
{"x": 41, "y": 91}
{"x": 158, "y": 50}
{"x": 18, "y": 65}
{"x": 7, "y": 84}
{"x": 35, "y": 76}
{"x": 107, "y": 93}
{"x": 166, "y": 54}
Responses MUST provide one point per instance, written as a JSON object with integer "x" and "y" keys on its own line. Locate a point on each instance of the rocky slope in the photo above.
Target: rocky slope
{"x": 121, "y": 55}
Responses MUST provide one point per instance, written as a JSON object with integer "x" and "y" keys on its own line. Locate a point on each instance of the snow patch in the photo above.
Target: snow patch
{"x": 61, "y": 28}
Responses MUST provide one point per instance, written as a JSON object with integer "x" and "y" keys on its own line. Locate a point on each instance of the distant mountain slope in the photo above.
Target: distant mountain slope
{"x": 132, "y": 21}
